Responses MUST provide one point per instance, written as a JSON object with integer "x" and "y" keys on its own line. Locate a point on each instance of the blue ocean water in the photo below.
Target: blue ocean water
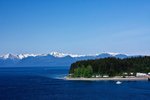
{"x": 46, "y": 83}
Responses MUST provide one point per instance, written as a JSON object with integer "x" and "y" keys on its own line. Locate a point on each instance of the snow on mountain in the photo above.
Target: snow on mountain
{"x": 75, "y": 55}
{"x": 9, "y": 56}
{"x": 113, "y": 54}
{"x": 51, "y": 59}
{"x": 21, "y": 56}
{"x": 57, "y": 54}
{"x": 61, "y": 55}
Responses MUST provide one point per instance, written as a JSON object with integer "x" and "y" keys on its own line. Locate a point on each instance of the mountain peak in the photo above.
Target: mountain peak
{"x": 57, "y": 54}
{"x": 9, "y": 56}
{"x": 21, "y": 56}
{"x": 113, "y": 54}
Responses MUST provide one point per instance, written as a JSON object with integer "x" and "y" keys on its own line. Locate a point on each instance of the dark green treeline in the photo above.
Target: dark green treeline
{"x": 110, "y": 66}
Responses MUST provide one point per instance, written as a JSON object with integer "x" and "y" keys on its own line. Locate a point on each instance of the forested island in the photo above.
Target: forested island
{"x": 110, "y": 67}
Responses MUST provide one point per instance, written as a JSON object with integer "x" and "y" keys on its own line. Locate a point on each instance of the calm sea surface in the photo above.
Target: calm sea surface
{"x": 47, "y": 84}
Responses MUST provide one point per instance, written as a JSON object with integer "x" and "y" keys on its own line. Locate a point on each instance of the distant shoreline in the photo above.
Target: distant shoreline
{"x": 109, "y": 79}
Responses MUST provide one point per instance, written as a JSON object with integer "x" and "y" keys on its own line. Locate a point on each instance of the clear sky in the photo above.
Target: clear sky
{"x": 75, "y": 26}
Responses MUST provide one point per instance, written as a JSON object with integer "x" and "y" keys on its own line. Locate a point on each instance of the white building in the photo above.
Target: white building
{"x": 97, "y": 76}
{"x": 140, "y": 74}
{"x": 105, "y": 76}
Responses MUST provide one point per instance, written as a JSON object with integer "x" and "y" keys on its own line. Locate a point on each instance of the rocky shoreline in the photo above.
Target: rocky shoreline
{"x": 109, "y": 79}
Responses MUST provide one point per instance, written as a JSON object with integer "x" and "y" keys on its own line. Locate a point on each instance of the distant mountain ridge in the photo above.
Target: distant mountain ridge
{"x": 52, "y": 59}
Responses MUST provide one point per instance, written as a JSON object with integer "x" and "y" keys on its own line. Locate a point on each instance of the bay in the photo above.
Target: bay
{"x": 47, "y": 83}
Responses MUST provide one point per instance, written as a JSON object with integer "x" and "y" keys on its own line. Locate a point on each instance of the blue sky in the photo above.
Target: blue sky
{"x": 75, "y": 26}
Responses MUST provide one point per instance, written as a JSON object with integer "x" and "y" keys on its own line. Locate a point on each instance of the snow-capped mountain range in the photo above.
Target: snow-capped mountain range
{"x": 58, "y": 54}
{"x": 51, "y": 59}
{"x": 20, "y": 56}
{"x": 55, "y": 54}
